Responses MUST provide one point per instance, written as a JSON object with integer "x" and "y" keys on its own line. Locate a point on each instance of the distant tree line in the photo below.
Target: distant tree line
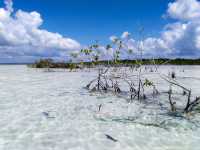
{"x": 50, "y": 63}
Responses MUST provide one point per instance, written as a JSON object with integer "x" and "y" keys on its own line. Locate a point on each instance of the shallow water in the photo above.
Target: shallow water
{"x": 52, "y": 111}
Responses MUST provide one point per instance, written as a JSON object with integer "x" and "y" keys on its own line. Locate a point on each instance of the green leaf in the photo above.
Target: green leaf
{"x": 148, "y": 83}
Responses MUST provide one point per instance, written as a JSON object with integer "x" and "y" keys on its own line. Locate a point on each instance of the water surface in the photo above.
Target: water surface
{"x": 52, "y": 111}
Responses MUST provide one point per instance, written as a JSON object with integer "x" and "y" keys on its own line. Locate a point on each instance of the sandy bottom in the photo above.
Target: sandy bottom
{"x": 52, "y": 111}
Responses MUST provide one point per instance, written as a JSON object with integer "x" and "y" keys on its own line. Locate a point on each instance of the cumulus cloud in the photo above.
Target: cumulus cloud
{"x": 178, "y": 39}
{"x": 184, "y": 10}
{"x": 183, "y": 36}
{"x": 20, "y": 35}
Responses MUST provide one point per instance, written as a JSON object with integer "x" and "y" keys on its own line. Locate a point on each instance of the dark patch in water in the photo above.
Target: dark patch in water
{"x": 111, "y": 138}
{"x": 47, "y": 115}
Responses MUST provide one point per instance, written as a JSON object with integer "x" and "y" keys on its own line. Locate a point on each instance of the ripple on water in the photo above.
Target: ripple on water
{"x": 41, "y": 110}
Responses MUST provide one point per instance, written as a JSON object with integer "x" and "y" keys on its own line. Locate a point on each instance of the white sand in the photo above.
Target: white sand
{"x": 73, "y": 121}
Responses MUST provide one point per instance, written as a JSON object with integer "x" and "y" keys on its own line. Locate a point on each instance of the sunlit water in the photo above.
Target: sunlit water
{"x": 52, "y": 111}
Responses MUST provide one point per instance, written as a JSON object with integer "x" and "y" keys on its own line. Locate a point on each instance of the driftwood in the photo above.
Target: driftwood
{"x": 186, "y": 92}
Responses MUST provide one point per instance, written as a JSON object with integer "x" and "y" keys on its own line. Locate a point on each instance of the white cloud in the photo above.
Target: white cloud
{"x": 184, "y": 10}
{"x": 9, "y": 5}
{"x": 183, "y": 36}
{"x": 113, "y": 38}
{"x": 178, "y": 39}
{"x": 20, "y": 35}
{"x": 125, "y": 35}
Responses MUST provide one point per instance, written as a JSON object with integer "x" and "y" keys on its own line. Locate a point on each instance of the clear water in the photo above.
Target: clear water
{"x": 52, "y": 111}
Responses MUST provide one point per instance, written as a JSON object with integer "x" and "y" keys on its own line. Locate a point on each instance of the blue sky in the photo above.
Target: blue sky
{"x": 34, "y": 29}
{"x": 86, "y": 20}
